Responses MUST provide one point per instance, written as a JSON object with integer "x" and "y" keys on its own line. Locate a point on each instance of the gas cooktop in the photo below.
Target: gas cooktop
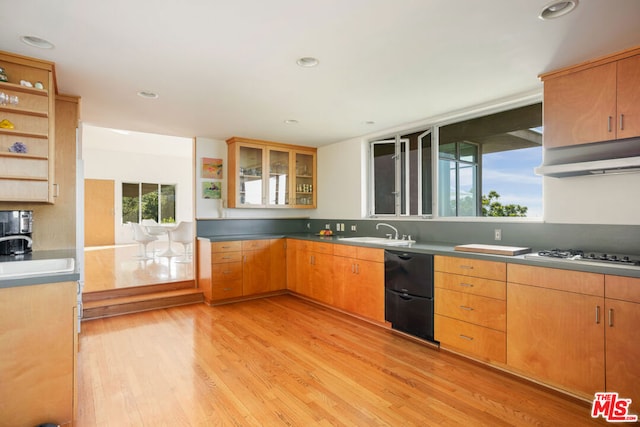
{"x": 588, "y": 258}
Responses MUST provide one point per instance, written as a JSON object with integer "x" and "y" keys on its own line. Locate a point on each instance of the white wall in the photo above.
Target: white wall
{"x": 597, "y": 199}
{"x": 139, "y": 157}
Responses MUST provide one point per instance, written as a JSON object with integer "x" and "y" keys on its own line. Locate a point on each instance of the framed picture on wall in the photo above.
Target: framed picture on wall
{"x": 211, "y": 168}
{"x": 211, "y": 190}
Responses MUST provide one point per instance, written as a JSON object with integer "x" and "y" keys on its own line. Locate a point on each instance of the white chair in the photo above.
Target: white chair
{"x": 154, "y": 229}
{"x": 143, "y": 238}
{"x": 183, "y": 233}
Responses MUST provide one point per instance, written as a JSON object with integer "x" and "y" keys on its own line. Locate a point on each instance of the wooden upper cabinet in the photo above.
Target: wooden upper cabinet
{"x": 265, "y": 174}
{"x": 27, "y": 175}
{"x": 593, "y": 102}
{"x": 628, "y": 125}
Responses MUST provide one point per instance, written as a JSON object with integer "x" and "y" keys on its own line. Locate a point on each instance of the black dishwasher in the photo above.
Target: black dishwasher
{"x": 408, "y": 279}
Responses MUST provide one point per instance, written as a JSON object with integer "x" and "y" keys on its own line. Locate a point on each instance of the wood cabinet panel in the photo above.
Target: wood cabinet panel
{"x": 556, "y": 337}
{"x": 553, "y": 278}
{"x": 221, "y": 273}
{"x": 471, "y": 267}
{"x": 255, "y": 270}
{"x": 623, "y": 349}
{"x": 227, "y": 289}
{"x": 622, "y": 288}
{"x": 37, "y": 364}
{"x": 484, "y": 343}
{"x": 580, "y": 107}
{"x": 222, "y": 257}
{"x": 359, "y": 287}
{"x": 482, "y": 311}
{"x": 628, "y": 97}
{"x": 472, "y": 285}
{"x": 226, "y": 246}
{"x": 277, "y": 264}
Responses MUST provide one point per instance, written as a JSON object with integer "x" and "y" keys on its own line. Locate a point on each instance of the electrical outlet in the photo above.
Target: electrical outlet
{"x": 354, "y": 227}
{"x": 497, "y": 234}
{"x": 308, "y": 226}
{"x": 337, "y": 226}
{"x": 342, "y": 226}
{"x": 327, "y": 226}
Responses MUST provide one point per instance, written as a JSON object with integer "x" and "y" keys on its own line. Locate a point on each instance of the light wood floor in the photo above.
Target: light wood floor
{"x": 116, "y": 267}
{"x": 285, "y": 361}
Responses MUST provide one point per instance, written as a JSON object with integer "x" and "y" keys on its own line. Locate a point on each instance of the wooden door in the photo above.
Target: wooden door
{"x": 321, "y": 277}
{"x": 578, "y": 107}
{"x": 277, "y": 265}
{"x": 99, "y": 209}
{"x": 623, "y": 349}
{"x": 255, "y": 269}
{"x": 556, "y": 337}
{"x": 628, "y": 97}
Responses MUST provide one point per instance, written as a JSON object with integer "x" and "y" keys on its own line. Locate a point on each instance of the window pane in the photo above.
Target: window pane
{"x": 468, "y": 152}
{"x": 467, "y": 198}
{"x": 149, "y": 201}
{"x": 384, "y": 177}
{"x": 507, "y": 146}
{"x": 447, "y": 183}
{"x": 427, "y": 199}
{"x": 167, "y": 204}
{"x": 130, "y": 202}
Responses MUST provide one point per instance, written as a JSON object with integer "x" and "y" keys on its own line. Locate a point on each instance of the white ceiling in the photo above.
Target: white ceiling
{"x": 225, "y": 68}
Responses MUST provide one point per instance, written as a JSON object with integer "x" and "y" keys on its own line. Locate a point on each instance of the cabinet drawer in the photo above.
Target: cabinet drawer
{"x": 225, "y": 272}
{"x": 471, "y": 285}
{"x": 482, "y": 311}
{"x": 472, "y": 339}
{"x": 359, "y": 252}
{"x": 553, "y": 278}
{"x": 254, "y": 245}
{"x": 622, "y": 288}
{"x": 471, "y": 267}
{"x": 320, "y": 247}
{"x": 226, "y": 246}
{"x": 222, "y": 257}
{"x": 230, "y": 289}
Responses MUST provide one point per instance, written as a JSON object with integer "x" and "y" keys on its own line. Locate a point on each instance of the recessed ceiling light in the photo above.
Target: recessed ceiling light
{"x": 557, "y": 9}
{"x": 36, "y": 42}
{"x": 147, "y": 94}
{"x": 307, "y": 62}
{"x": 369, "y": 122}
{"x": 291, "y": 121}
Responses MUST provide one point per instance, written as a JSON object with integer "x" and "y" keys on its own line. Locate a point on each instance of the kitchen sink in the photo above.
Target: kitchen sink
{"x": 19, "y": 269}
{"x": 378, "y": 241}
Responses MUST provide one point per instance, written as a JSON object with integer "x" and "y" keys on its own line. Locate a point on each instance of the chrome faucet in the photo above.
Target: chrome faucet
{"x": 17, "y": 237}
{"x": 387, "y": 225}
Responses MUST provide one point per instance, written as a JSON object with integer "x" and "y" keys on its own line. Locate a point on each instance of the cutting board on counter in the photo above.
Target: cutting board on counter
{"x": 493, "y": 249}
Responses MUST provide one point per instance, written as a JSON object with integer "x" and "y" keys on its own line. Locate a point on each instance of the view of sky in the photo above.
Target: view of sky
{"x": 510, "y": 174}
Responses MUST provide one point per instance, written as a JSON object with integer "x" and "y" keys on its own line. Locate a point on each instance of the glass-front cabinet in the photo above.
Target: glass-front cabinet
{"x": 270, "y": 175}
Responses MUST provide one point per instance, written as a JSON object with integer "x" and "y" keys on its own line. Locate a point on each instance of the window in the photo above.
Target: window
{"x": 148, "y": 201}
{"x": 484, "y": 168}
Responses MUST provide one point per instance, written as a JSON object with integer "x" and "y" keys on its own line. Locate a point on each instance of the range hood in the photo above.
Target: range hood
{"x": 602, "y": 158}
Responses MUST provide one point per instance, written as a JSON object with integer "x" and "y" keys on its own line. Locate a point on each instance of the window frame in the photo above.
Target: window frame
{"x": 434, "y": 125}
{"x": 159, "y": 187}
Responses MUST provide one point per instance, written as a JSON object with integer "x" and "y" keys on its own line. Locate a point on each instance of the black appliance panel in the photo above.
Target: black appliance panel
{"x": 409, "y": 273}
{"x": 410, "y": 314}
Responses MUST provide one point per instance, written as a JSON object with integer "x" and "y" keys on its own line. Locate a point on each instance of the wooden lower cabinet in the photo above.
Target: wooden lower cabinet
{"x": 553, "y": 335}
{"x": 241, "y": 268}
{"x": 470, "y": 307}
{"x": 314, "y": 270}
{"x": 38, "y": 338}
{"x": 622, "y": 317}
{"x": 359, "y": 281}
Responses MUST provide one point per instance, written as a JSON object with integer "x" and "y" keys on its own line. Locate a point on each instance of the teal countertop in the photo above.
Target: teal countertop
{"x": 447, "y": 248}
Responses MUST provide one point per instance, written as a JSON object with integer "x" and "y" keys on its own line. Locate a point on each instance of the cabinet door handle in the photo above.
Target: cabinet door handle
{"x": 226, "y": 257}
{"x": 466, "y": 285}
{"x": 466, "y": 267}
{"x": 357, "y": 268}
{"x": 597, "y": 314}
{"x": 609, "y": 124}
{"x": 621, "y": 121}
{"x": 611, "y": 317}
{"x": 466, "y": 337}
{"x": 464, "y": 307}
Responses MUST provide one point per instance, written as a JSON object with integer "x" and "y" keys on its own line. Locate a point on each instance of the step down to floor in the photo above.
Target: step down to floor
{"x": 140, "y": 302}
